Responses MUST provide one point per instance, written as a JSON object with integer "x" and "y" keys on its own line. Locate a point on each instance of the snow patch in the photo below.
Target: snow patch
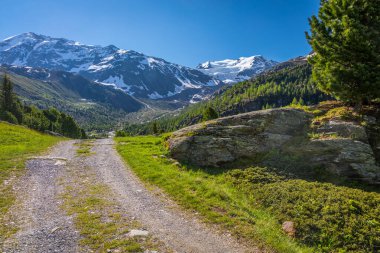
{"x": 155, "y": 95}
{"x": 117, "y": 81}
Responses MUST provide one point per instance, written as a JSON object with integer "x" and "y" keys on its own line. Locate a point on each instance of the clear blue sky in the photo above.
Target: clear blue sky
{"x": 182, "y": 31}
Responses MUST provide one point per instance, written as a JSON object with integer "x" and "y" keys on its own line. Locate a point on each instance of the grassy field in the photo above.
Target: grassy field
{"x": 205, "y": 192}
{"x": 252, "y": 203}
{"x": 17, "y": 143}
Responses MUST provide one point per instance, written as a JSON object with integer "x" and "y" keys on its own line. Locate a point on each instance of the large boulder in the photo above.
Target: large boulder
{"x": 224, "y": 140}
{"x": 278, "y": 138}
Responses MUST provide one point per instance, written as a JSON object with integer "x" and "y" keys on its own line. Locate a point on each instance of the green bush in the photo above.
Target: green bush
{"x": 9, "y": 117}
{"x": 121, "y": 133}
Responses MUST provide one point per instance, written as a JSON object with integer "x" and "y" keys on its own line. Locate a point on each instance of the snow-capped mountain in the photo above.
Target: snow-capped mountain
{"x": 233, "y": 71}
{"x": 137, "y": 74}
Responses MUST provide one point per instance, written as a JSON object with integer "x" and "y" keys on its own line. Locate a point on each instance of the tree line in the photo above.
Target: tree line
{"x": 277, "y": 88}
{"x": 14, "y": 111}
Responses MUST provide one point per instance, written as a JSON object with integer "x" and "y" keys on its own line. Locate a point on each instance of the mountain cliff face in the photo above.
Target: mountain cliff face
{"x": 137, "y": 74}
{"x": 233, "y": 71}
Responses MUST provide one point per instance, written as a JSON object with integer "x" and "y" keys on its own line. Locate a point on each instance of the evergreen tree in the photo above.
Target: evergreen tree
{"x": 69, "y": 127}
{"x": 10, "y": 108}
{"x": 7, "y": 94}
{"x": 155, "y": 128}
{"x": 346, "y": 40}
{"x": 209, "y": 113}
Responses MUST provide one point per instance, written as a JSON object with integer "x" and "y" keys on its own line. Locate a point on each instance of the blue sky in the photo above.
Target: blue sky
{"x": 186, "y": 32}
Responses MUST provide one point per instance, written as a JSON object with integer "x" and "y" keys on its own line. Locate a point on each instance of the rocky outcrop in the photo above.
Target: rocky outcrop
{"x": 224, "y": 140}
{"x": 279, "y": 138}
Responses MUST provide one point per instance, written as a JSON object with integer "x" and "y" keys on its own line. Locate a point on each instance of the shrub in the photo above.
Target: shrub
{"x": 121, "y": 133}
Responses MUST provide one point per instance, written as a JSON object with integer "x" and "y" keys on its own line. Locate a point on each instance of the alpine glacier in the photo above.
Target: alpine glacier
{"x": 233, "y": 71}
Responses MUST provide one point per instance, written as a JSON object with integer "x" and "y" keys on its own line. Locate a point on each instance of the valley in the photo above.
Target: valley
{"x": 190, "y": 141}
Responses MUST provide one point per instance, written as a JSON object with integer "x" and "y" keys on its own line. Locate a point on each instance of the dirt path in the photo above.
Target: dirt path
{"x": 43, "y": 226}
{"x": 163, "y": 218}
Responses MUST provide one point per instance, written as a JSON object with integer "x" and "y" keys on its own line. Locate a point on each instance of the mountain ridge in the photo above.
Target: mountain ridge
{"x": 137, "y": 74}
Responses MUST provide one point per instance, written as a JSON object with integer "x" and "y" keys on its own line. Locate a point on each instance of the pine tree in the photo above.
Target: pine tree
{"x": 155, "y": 128}
{"x": 209, "y": 113}
{"x": 10, "y": 108}
{"x": 346, "y": 40}
{"x": 7, "y": 94}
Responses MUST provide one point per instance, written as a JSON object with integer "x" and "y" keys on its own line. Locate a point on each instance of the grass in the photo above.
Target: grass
{"x": 252, "y": 203}
{"x": 17, "y": 144}
{"x": 84, "y": 148}
{"x": 102, "y": 224}
{"x": 208, "y": 192}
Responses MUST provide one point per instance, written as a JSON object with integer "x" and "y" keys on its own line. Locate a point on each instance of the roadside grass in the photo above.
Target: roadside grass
{"x": 102, "y": 224}
{"x": 252, "y": 203}
{"x": 207, "y": 192}
{"x": 17, "y": 144}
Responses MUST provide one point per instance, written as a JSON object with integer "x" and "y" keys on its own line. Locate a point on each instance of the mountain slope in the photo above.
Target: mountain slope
{"x": 93, "y": 105}
{"x": 276, "y": 87}
{"x": 233, "y": 71}
{"x": 139, "y": 75}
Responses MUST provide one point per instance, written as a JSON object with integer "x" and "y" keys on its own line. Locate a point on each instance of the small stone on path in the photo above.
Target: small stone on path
{"x": 136, "y": 232}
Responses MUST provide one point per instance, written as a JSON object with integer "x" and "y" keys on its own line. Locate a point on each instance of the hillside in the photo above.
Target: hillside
{"x": 276, "y": 87}
{"x": 93, "y": 105}
{"x": 17, "y": 144}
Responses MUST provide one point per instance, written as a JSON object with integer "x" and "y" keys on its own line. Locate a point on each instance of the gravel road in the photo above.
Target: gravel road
{"x": 43, "y": 226}
{"x": 163, "y": 218}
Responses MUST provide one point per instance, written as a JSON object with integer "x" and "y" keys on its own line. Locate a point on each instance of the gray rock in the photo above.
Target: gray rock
{"x": 278, "y": 138}
{"x": 344, "y": 129}
{"x": 225, "y": 140}
{"x": 136, "y": 232}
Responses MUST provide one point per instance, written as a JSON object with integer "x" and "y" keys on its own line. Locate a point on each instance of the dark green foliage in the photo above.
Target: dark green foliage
{"x": 121, "y": 133}
{"x": 13, "y": 111}
{"x": 209, "y": 113}
{"x": 69, "y": 127}
{"x": 9, "y": 117}
{"x": 346, "y": 39}
{"x": 272, "y": 89}
{"x": 155, "y": 128}
{"x": 331, "y": 218}
{"x": 7, "y": 95}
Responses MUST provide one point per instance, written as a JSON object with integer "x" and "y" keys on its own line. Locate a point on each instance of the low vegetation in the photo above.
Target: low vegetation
{"x": 84, "y": 148}
{"x": 327, "y": 217}
{"x": 252, "y": 203}
{"x": 17, "y": 144}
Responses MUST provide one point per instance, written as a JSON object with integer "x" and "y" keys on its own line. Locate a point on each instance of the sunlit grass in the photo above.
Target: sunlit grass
{"x": 207, "y": 192}
{"x": 17, "y": 144}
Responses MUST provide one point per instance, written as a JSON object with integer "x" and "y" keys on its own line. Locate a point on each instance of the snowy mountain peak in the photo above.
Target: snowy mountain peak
{"x": 236, "y": 70}
{"x": 136, "y": 73}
